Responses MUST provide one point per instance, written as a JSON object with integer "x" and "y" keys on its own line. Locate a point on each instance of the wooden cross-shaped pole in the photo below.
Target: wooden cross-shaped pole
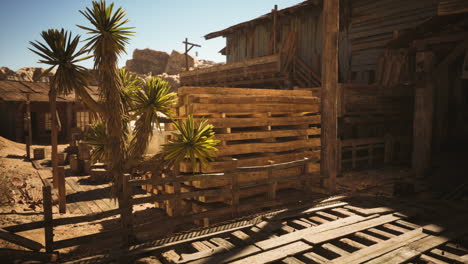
{"x": 187, "y": 49}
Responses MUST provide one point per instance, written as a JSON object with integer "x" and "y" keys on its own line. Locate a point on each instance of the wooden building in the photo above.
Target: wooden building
{"x": 365, "y": 29}
{"x": 73, "y": 116}
{"x": 399, "y": 81}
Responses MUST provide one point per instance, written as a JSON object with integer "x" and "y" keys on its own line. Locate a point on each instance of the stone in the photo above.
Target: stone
{"x": 176, "y": 63}
{"x": 5, "y": 72}
{"x": 147, "y": 61}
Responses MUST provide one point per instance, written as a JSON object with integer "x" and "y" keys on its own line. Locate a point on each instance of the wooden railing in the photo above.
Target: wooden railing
{"x": 128, "y": 229}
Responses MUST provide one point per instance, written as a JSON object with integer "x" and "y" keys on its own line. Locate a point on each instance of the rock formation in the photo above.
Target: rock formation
{"x": 27, "y": 74}
{"x": 147, "y": 61}
{"x": 5, "y": 72}
{"x": 176, "y": 63}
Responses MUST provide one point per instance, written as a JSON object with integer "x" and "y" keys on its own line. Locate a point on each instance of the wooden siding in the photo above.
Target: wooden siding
{"x": 448, "y": 7}
{"x": 373, "y": 25}
{"x": 256, "y": 41}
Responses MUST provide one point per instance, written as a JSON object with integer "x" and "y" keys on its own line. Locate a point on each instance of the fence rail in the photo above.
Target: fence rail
{"x": 127, "y": 201}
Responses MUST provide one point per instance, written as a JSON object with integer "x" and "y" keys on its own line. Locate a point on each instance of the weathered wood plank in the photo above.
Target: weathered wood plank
{"x": 376, "y": 250}
{"x": 267, "y": 147}
{"x": 240, "y": 91}
{"x": 247, "y": 108}
{"x": 268, "y": 121}
{"x": 275, "y": 254}
{"x": 268, "y": 134}
{"x": 414, "y": 249}
{"x": 291, "y": 237}
{"x": 349, "y": 229}
{"x": 251, "y": 99}
{"x": 20, "y": 240}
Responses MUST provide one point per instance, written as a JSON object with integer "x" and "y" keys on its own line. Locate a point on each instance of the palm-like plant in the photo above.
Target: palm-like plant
{"x": 61, "y": 52}
{"x": 97, "y": 138}
{"x": 151, "y": 102}
{"x": 195, "y": 142}
{"x": 107, "y": 42}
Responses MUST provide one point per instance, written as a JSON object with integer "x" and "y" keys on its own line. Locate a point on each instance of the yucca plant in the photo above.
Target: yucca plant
{"x": 193, "y": 140}
{"x": 96, "y": 138}
{"x": 60, "y": 52}
{"x": 151, "y": 102}
{"x": 107, "y": 43}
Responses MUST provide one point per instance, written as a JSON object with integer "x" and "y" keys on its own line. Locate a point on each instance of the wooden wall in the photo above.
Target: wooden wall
{"x": 374, "y": 24}
{"x": 256, "y": 40}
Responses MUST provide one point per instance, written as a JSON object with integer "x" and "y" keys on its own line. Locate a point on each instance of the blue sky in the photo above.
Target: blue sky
{"x": 160, "y": 25}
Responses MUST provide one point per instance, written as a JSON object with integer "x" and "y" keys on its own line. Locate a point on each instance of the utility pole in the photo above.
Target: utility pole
{"x": 187, "y": 49}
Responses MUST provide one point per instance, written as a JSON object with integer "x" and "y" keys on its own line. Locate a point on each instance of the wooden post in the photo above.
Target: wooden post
{"x": 62, "y": 195}
{"x": 53, "y": 132}
{"x": 329, "y": 129}
{"x": 48, "y": 227}
{"x": 389, "y": 146}
{"x": 186, "y": 54}
{"x": 275, "y": 29}
{"x": 176, "y": 202}
{"x": 423, "y": 113}
{"x": 69, "y": 109}
{"x": 234, "y": 173}
{"x": 126, "y": 211}
{"x": 272, "y": 182}
{"x": 28, "y": 121}
{"x": 187, "y": 49}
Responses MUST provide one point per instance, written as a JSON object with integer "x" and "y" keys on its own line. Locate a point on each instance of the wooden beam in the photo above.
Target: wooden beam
{"x": 20, "y": 240}
{"x": 423, "y": 113}
{"x": 329, "y": 157}
{"x": 28, "y": 118}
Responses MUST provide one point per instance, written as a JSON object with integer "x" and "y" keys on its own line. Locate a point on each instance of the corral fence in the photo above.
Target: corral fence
{"x": 128, "y": 230}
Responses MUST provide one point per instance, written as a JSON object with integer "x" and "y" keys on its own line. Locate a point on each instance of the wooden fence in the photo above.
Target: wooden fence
{"x": 128, "y": 229}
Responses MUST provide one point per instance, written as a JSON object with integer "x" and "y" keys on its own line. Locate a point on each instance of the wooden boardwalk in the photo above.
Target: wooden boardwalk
{"x": 333, "y": 232}
{"x": 85, "y": 197}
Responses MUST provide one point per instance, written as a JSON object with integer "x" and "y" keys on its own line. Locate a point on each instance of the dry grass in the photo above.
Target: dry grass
{"x": 6, "y": 186}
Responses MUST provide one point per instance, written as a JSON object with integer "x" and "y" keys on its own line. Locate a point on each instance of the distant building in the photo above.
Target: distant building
{"x": 73, "y": 115}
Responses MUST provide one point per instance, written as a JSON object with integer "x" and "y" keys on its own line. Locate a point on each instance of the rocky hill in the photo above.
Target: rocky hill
{"x": 148, "y": 62}
{"x": 145, "y": 62}
{"x": 24, "y": 74}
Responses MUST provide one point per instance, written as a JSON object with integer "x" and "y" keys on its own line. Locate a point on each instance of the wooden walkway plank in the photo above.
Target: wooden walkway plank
{"x": 414, "y": 249}
{"x": 228, "y": 256}
{"x": 319, "y": 219}
{"x": 352, "y": 243}
{"x": 291, "y": 237}
{"x": 20, "y": 240}
{"x": 275, "y": 254}
{"x": 316, "y": 257}
{"x": 445, "y": 254}
{"x": 347, "y": 230}
{"x": 379, "y": 249}
{"x": 327, "y": 215}
{"x": 292, "y": 260}
{"x": 432, "y": 260}
{"x": 335, "y": 249}
{"x": 370, "y": 211}
{"x": 81, "y": 205}
{"x": 368, "y": 237}
{"x": 343, "y": 211}
{"x": 381, "y": 232}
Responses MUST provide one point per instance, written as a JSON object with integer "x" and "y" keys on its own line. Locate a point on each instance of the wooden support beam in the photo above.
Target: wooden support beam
{"x": 48, "y": 227}
{"x": 329, "y": 137}
{"x": 28, "y": 120}
{"x": 423, "y": 113}
{"x": 62, "y": 194}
